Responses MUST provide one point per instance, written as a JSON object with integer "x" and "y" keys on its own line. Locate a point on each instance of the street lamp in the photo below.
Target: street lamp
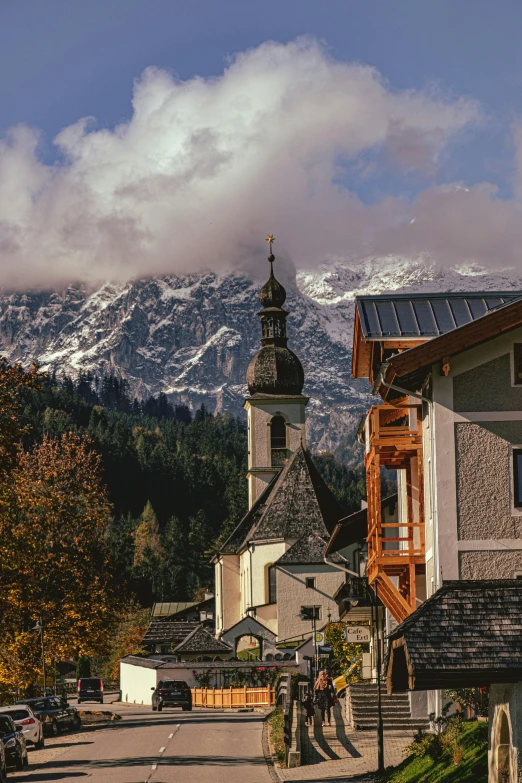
{"x": 40, "y": 627}
{"x": 359, "y": 588}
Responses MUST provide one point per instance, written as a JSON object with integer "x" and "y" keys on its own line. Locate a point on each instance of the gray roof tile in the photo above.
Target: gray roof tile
{"x": 295, "y": 503}
{"x": 167, "y": 632}
{"x": 395, "y": 316}
{"x": 308, "y": 550}
{"x": 202, "y": 641}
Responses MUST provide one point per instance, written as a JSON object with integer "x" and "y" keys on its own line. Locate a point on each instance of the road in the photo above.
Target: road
{"x": 201, "y": 746}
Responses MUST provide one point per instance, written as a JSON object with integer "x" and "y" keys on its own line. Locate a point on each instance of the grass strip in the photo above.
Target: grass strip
{"x": 276, "y": 734}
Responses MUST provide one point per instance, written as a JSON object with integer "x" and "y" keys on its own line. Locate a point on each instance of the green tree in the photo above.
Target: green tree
{"x": 149, "y": 554}
{"x": 83, "y": 667}
{"x": 176, "y": 566}
{"x": 200, "y": 539}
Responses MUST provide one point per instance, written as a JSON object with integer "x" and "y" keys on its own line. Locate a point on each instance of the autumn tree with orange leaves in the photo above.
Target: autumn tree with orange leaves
{"x": 54, "y": 561}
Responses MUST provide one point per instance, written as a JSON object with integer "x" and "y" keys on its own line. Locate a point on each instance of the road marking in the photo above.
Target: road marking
{"x": 170, "y": 736}
{"x": 161, "y": 750}
{"x": 154, "y": 767}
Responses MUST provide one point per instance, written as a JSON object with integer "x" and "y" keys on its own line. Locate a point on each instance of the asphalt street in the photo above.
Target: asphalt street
{"x": 201, "y": 746}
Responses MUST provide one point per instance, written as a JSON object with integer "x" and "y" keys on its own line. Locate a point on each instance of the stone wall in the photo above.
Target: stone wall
{"x": 484, "y": 495}
{"x": 487, "y": 388}
{"x": 490, "y": 564}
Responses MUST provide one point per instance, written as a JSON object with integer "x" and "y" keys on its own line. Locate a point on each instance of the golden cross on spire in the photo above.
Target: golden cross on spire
{"x": 270, "y": 239}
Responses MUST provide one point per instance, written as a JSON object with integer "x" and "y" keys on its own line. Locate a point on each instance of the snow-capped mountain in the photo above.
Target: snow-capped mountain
{"x": 192, "y": 336}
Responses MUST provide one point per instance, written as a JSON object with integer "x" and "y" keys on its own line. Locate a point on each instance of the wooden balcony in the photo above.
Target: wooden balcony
{"x": 395, "y": 549}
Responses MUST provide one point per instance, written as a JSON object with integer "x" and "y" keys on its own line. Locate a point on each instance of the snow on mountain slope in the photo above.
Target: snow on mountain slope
{"x": 192, "y": 336}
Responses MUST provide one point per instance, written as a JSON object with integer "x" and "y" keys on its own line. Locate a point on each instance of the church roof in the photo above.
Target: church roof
{"x": 309, "y": 549}
{"x": 296, "y": 503}
{"x": 275, "y": 370}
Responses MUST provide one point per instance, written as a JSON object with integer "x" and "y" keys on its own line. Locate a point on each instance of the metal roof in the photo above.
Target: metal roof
{"x": 418, "y": 316}
{"x": 173, "y": 607}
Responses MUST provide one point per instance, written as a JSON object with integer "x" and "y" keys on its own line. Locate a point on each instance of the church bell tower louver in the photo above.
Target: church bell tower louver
{"x": 276, "y": 405}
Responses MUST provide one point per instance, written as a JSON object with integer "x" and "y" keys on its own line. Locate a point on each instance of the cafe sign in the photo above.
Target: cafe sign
{"x": 358, "y": 634}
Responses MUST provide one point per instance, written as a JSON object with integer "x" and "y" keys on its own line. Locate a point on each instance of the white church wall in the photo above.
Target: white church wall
{"x": 267, "y": 615}
{"x": 228, "y": 596}
{"x": 264, "y": 555}
{"x": 292, "y": 594}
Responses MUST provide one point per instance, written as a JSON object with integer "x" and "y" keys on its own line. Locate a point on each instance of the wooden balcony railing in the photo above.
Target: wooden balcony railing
{"x": 395, "y": 548}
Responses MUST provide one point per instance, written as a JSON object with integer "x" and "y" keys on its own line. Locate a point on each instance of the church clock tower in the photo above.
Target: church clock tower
{"x": 276, "y": 405}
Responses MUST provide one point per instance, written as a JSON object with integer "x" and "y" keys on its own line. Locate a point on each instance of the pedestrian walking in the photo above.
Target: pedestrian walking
{"x": 309, "y": 709}
{"x": 324, "y": 695}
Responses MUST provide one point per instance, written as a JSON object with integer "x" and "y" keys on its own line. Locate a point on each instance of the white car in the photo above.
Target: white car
{"x": 27, "y": 722}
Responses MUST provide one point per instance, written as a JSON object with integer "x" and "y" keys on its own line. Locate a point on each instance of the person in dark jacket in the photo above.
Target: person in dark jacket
{"x": 309, "y": 709}
{"x": 324, "y": 696}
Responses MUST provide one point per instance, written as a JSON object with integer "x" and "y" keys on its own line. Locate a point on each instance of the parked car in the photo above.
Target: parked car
{"x": 14, "y": 742}
{"x": 3, "y": 763}
{"x": 90, "y": 689}
{"x": 55, "y": 714}
{"x": 24, "y": 718}
{"x": 171, "y": 693}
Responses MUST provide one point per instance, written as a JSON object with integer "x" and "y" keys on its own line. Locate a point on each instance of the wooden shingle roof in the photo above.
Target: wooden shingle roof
{"x": 202, "y": 641}
{"x": 308, "y": 550}
{"x": 468, "y": 634}
{"x": 297, "y": 502}
{"x": 165, "y": 632}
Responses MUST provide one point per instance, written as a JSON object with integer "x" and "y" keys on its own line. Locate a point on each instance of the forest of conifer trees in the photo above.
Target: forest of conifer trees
{"x": 176, "y": 481}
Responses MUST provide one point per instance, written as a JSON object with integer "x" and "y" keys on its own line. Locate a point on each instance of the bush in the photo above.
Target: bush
{"x": 276, "y": 724}
{"x": 445, "y": 742}
{"x": 426, "y": 745}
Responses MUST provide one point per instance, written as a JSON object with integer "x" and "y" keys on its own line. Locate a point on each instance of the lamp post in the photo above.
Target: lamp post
{"x": 40, "y": 627}
{"x": 354, "y": 596}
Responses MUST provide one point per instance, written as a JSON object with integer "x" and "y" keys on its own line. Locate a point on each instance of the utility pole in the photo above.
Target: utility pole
{"x": 315, "y": 642}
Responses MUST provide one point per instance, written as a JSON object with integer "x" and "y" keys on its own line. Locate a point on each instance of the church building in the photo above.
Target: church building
{"x": 272, "y": 580}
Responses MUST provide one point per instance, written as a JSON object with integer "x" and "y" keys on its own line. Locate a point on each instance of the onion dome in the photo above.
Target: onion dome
{"x": 274, "y": 369}
{"x": 273, "y": 293}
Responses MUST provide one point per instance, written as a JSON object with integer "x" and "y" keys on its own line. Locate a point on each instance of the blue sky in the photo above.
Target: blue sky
{"x": 61, "y": 61}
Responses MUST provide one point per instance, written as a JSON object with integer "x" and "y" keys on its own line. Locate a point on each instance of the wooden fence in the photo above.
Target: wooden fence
{"x": 216, "y": 698}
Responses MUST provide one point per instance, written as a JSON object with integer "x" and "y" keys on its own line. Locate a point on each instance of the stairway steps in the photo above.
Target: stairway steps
{"x": 406, "y": 725}
{"x": 396, "y": 712}
{"x": 387, "y": 710}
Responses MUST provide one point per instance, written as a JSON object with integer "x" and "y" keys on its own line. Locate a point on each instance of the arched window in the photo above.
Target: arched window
{"x": 272, "y": 584}
{"x": 278, "y": 433}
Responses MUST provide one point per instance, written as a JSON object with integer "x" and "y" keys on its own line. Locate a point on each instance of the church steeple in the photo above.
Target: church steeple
{"x": 276, "y": 405}
{"x": 274, "y": 369}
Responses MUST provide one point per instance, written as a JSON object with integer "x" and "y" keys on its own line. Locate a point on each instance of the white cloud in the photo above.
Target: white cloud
{"x": 206, "y": 167}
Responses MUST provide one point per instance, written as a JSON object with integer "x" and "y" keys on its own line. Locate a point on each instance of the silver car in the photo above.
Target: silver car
{"x": 27, "y": 722}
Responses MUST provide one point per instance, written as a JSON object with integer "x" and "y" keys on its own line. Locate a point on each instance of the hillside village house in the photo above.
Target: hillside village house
{"x": 272, "y": 581}
{"x": 448, "y": 369}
